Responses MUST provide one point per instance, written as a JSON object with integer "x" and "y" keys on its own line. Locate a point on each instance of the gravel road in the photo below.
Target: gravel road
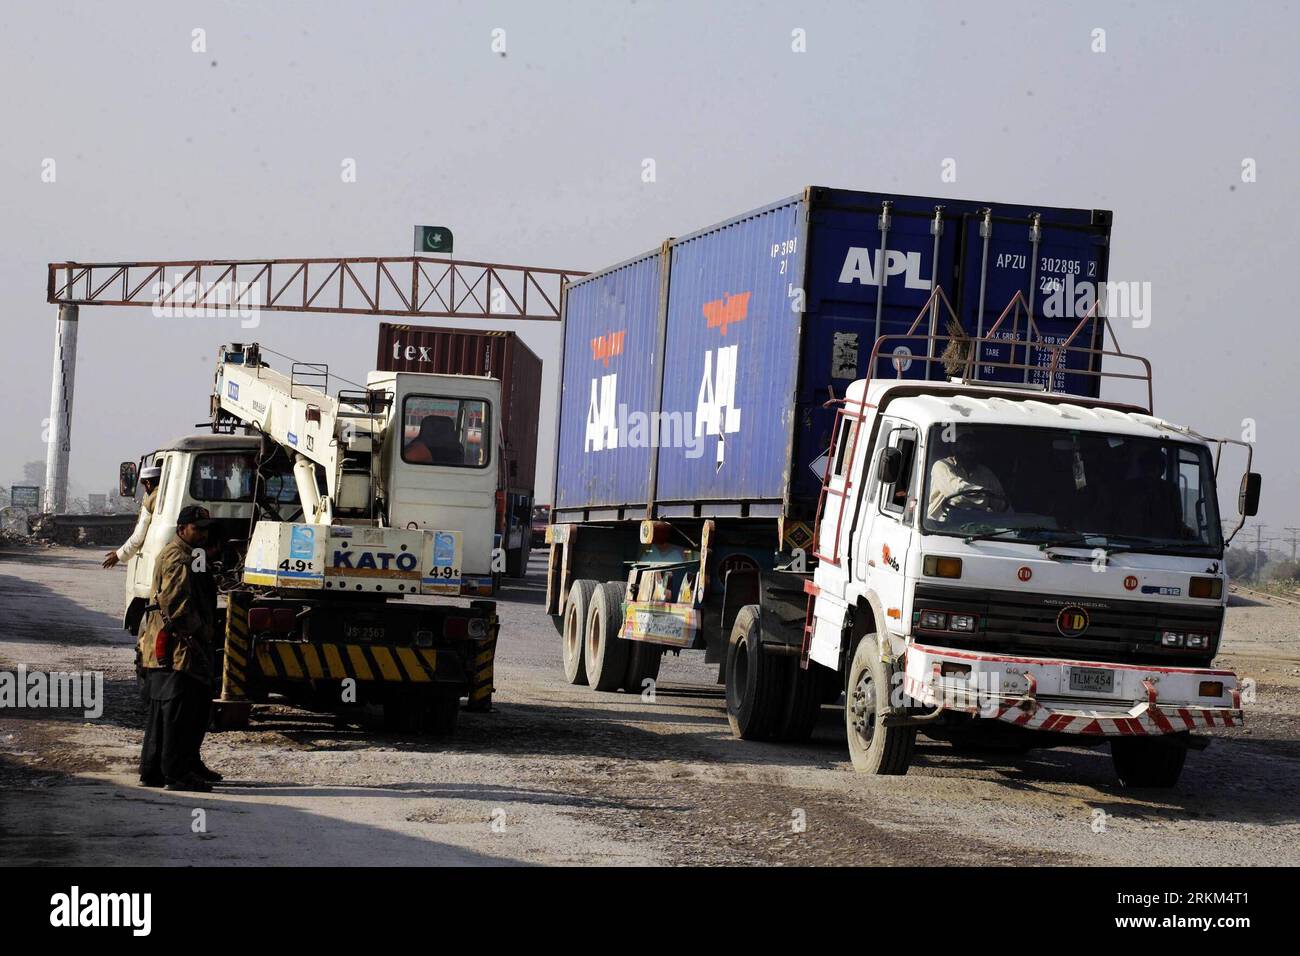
{"x": 559, "y": 774}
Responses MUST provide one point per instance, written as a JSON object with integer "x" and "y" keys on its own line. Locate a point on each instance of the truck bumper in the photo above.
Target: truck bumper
{"x": 1045, "y": 693}
{"x": 302, "y": 660}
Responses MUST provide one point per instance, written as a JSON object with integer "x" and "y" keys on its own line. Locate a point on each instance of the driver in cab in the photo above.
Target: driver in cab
{"x": 961, "y": 481}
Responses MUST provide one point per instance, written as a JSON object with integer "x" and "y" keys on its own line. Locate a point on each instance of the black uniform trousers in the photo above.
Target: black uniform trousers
{"x": 175, "y": 724}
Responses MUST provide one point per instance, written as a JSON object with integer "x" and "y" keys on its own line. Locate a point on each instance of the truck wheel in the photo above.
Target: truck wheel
{"x": 440, "y": 711}
{"x": 643, "y": 662}
{"x": 605, "y": 653}
{"x": 755, "y": 680}
{"x": 399, "y": 715}
{"x": 1147, "y": 762}
{"x": 574, "y": 630}
{"x": 874, "y": 748}
{"x": 806, "y": 689}
{"x": 517, "y": 561}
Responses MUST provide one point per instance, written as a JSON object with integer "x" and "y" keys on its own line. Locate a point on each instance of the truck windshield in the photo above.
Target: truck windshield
{"x": 1076, "y": 488}
{"x": 231, "y": 475}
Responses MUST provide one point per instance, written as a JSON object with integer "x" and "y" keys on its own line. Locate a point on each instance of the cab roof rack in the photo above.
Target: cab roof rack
{"x": 967, "y": 357}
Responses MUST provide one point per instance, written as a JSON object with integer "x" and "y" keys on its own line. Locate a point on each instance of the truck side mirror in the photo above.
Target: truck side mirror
{"x": 1248, "y": 496}
{"x": 127, "y": 477}
{"x": 891, "y": 464}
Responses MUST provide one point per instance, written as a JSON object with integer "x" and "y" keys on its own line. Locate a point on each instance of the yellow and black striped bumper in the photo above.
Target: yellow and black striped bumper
{"x": 296, "y": 660}
{"x": 481, "y": 667}
{"x": 238, "y": 649}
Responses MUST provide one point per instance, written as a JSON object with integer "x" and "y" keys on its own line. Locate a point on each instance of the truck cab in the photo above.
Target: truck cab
{"x": 441, "y": 454}
{"x": 217, "y": 472}
{"x": 1018, "y": 567}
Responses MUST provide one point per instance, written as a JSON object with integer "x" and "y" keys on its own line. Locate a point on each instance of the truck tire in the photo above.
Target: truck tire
{"x": 517, "y": 561}
{"x": 756, "y": 680}
{"x": 573, "y": 631}
{"x": 438, "y": 716}
{"x": 1147, "y": 762}
{"x": 874, "y": 748}
{"x": 805, "y": 692}
{"x": 643, "y": 662}
{"x": 604, "y": 652}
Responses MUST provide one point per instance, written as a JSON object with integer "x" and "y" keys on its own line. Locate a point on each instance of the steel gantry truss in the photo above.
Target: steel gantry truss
{"x": 408, "y": 286}
{"x": 412, "y": 287}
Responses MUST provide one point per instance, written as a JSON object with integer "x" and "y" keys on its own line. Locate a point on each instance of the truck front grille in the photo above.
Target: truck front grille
{"x": 1126, "y": 632}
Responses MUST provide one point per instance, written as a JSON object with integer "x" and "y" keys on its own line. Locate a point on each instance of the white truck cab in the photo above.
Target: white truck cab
{"x": 449, "y": 479}
{"x": 1007, "y": 561}
{"x": 215, "y": 471}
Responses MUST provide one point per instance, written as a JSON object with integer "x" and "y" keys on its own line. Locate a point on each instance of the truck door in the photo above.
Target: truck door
{"x": 888, "y": 514}
{"x": 839, "y": 506}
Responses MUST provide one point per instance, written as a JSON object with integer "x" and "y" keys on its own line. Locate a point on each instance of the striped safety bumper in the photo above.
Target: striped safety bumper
{"x": 300, "y": 660}
{"x": 1044, "y": 694}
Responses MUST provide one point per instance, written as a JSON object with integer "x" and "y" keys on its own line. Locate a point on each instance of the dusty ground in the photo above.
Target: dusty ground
{"x": 560, "y": 774}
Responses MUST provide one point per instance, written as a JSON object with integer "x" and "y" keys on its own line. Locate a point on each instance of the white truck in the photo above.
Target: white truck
{"x": 330, "y": 512}
{"x": 995, "y": 564}
{"x": 1002, "y": 566}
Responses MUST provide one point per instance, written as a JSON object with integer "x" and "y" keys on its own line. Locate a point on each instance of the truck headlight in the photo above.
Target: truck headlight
{"x": 1196, "y": 640}
{"x": 934, "y": 620}
{"x": 961, "y": 622}
{"x": 1171, "y": 639}
{"x": 940, "y": 566}
{"x": 1211, "y": 588}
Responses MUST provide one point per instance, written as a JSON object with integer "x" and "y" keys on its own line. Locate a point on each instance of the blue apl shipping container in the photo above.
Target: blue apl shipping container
{"x": 695, "y": 377}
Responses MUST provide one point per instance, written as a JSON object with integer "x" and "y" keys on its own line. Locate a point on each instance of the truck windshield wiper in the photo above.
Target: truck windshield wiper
{"x": 1086, "y": 540}
{"x": 1000, "y": 532}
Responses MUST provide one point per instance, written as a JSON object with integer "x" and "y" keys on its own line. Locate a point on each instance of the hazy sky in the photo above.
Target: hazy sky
{"x": 535, "y": 157}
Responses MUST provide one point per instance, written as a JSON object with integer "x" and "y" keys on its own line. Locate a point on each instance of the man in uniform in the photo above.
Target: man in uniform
{"x": 176, "y": 653}
{"x": 149, "y": 480}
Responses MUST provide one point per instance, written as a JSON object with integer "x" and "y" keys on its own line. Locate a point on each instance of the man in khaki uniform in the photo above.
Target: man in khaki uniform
{"x": 176, "y": 653}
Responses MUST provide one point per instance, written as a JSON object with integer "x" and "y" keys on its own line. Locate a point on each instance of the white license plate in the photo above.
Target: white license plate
{"x": 1092, "y": 679}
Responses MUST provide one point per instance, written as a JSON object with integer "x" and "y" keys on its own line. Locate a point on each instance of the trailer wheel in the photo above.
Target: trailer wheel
{"x": 573, "y": 630}
{"x": 1147, "y": 762}
{"x": 873, "y": 747}
{"x": 755, "y": 680}
{"x": 605, "y": 653}
{"x": 806, "y": 690}
{"x": 643, "y": 662}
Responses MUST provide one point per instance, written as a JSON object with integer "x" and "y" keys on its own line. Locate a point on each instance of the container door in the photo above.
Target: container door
{"x": 1057, "y": 268}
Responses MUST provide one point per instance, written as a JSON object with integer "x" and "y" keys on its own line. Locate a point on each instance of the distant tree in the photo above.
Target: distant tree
{"x": 1287, "y": 570}
{"x": 1241, "y": 563}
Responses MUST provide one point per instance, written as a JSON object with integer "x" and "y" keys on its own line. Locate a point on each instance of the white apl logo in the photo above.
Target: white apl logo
{"x": 602, "y": 414}
{"x": 858, "y": 267}
{"x": 715, "y": 408}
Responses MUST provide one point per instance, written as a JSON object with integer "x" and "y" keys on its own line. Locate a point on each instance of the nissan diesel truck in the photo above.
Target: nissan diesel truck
{"x": 851, "y": 445}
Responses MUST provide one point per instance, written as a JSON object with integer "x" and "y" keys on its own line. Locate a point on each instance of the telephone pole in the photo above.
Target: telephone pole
{"x": 1259, "y": 543}
{"x": 1294, "y": 533}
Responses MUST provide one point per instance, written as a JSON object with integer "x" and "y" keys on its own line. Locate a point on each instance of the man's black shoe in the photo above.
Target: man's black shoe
{"x": 204, "y": 772}
{"x": 190, "y": 783}
{"x": 152, "y": 781}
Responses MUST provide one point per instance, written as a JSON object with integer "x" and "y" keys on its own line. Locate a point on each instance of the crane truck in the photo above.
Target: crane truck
{"x": 782, "y": 444}
{"x": 332, "y": 517}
